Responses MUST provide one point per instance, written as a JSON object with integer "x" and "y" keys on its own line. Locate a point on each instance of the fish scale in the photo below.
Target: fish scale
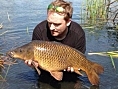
{"x": 50, "y": 56}
{"x": 54, "y": 57}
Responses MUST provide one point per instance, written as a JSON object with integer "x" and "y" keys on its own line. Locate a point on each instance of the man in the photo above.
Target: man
{"x": 60, "y": 28}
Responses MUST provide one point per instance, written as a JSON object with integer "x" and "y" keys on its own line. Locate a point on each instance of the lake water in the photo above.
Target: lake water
{"x": 19, "y": 17}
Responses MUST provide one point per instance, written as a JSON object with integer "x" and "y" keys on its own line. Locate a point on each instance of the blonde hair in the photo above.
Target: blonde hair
{"x": 67, "y": 6}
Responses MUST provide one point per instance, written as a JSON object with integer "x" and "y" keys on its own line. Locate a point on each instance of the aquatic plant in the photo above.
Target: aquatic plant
{"x": 8, "y": 16}
{"x": 1, "y": 66}
{"x": 1, "y": 63}
{"x": 1, "y": 26}
{"x": 111, "y": 54}
{"x": 3, "y": 33}
{"x": 5, "y": 64}
{"x": 95, "y": 11}
{"x": 98, "y": 12}
{"x": 27, "y": 30}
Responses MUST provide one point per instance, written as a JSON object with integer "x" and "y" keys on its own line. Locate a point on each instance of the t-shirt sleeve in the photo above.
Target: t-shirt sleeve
{"x": 37, "y": 33}
{"x": 80, "y": 39}
{"x": 81, "y": 44}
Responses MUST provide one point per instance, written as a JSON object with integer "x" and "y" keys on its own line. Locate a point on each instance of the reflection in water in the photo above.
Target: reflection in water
{"x": 113, "y": 38}
{"x": 33, "y": 77}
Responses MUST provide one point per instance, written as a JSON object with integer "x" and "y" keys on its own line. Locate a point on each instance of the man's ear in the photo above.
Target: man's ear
{"x": 68, "y": 22}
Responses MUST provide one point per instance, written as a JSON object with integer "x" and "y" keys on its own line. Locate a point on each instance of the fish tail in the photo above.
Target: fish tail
{"x": 92, "y": 74}
{"x": 98, "y": 68}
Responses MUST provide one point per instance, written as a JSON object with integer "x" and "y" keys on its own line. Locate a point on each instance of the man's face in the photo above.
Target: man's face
{"x": 56, "y": 23}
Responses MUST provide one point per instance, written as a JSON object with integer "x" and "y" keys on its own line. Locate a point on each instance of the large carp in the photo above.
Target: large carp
{"x": 55, "y": 57}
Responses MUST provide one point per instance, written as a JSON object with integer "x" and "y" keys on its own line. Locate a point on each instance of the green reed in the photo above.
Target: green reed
{"x": 95, "y": 12}
{"x": 99, "y": 12}
{"x": 111, "y": 54}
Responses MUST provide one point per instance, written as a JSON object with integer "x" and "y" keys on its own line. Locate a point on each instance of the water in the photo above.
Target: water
{"x": 19, "y": 17}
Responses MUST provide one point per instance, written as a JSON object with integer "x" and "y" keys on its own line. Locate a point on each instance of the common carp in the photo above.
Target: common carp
{"x": 54, "y": 57}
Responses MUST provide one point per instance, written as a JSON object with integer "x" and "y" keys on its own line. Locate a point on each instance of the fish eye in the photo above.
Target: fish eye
{"x": 20, "y": 50}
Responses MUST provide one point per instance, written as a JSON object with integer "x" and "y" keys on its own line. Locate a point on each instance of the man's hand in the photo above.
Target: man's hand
{"x": 69, "y": 69}
{"x": 29, "y": 63}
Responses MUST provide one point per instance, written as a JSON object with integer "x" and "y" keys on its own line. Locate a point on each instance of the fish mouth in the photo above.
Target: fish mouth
{"x": 10, "y": 54}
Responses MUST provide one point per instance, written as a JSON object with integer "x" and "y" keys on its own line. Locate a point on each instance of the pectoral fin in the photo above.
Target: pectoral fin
{"x": 39, "y": 72}
{"x": 57, "y": 75}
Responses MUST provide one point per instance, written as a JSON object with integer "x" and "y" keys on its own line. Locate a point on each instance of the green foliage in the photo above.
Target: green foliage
{"x": 97, "y": 12}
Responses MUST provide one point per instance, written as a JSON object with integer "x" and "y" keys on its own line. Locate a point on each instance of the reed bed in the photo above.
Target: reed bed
{"x": 97, "y": 12}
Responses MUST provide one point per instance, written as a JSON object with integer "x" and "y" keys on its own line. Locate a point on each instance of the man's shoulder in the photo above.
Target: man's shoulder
{"x": 41, "y": 26}
{"x": 74, "y": 26}
{"x": 75, "y": 23}
{"x": 42, "y": 23}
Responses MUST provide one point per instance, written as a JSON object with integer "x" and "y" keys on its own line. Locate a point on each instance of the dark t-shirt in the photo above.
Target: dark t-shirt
{"x": 75, "y": 38}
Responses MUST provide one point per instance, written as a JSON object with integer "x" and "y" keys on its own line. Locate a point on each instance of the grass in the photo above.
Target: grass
{"x": 97, "y": 12}
{"x": 27, "y": 30}
{"x": 3, "y": 33}
{"x": 1, "y": 67}
{"x": 7, "y": 64}
{"x": 8, "y": 17}
{"x": 1, "y": 25}
{"x": 1, "y": 63}
{"x": 112, "y": 60}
